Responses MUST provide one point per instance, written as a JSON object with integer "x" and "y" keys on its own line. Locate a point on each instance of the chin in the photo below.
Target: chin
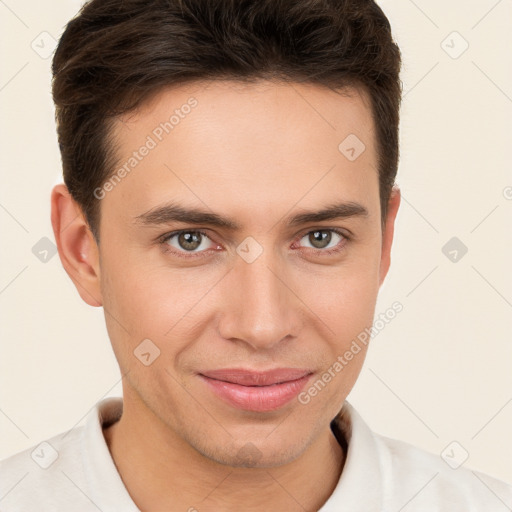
{"x": 264, "y": 454}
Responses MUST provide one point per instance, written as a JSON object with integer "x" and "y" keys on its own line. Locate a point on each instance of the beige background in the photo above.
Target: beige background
{"x": 439, "y": 372}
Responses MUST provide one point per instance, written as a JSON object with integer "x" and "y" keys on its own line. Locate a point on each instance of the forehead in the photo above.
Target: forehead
{"x": 224, "y": 144}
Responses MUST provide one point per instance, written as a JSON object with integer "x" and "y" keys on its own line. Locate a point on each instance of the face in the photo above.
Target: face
{"x": 250, "y": 280}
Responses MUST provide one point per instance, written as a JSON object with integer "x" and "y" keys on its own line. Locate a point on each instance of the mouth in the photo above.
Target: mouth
{"x": 256, "y": 391}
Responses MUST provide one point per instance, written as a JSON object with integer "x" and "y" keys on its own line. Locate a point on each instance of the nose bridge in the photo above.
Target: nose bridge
{"x": 261, "y": 309}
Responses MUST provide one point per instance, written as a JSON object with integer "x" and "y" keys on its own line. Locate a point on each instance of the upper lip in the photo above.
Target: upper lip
{"x": 257, "y": 378}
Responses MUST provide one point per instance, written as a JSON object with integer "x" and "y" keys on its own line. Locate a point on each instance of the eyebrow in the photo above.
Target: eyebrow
{"x": 173, "y": 212}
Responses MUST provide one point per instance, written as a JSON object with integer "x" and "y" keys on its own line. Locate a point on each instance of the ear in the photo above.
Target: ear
{"x": 388, "y": 231}
{"x": 77, "y": 247}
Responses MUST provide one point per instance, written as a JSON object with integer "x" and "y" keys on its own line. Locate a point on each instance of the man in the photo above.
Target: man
{"x": 229, "y": 201}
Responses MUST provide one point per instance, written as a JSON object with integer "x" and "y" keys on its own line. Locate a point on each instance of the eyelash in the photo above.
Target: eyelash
{"x": 182, "y": 254}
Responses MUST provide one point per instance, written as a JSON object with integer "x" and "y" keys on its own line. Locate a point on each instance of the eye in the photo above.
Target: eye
{"x": 193, "y": 243}
{"x": 325, "y": 240}
{"x": 183, "y": 242}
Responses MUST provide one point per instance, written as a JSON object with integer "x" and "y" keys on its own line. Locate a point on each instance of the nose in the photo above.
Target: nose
{"x": 260, "y": 307}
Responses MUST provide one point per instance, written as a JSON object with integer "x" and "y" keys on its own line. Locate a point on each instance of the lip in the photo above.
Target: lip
{"x": 257, "y": 391}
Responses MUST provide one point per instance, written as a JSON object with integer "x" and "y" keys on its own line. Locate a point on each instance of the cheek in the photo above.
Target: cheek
{"x": 345, "y": 302}
{"x": 345, "y": 296}
{"x": 143, "y": 296}
{"x": 144, "y": 301}
{"x": 137, "y": 305}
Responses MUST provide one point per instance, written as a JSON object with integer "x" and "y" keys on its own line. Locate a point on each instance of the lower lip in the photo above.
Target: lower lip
{"x": 257, "y": 398}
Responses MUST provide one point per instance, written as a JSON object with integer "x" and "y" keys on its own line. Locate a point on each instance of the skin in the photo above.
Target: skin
{"x": 256, "y": 153}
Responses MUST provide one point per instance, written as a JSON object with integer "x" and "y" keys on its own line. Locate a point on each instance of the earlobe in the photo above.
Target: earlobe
{"x": 77, "y": 247}
{"x": 388, "y": 232}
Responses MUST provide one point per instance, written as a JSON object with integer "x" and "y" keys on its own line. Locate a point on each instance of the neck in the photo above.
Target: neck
{"x": 171, "y": 475}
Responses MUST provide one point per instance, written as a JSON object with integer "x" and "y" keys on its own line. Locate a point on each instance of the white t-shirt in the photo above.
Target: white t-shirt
{"x": 74, "y": 472}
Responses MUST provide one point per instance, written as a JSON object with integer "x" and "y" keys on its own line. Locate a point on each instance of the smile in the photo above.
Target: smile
{"x": 255, "y": 391}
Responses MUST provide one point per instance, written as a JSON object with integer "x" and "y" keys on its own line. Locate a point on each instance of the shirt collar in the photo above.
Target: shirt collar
{"x": 106, "y": 488}
{"x": 359, "y": 488}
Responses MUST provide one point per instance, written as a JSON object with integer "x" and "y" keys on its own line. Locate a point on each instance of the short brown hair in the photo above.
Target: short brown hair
{"x": 116, "y": 53}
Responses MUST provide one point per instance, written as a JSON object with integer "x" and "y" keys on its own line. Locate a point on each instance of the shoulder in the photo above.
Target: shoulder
{"x": 70, "y": 471}
{"x": 45, "y": 476}
{"x": 415, "y": 476}
{"x": 387, "y": 475}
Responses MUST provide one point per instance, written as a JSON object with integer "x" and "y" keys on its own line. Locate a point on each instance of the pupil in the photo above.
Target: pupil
{"x": 320, "y": 239}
